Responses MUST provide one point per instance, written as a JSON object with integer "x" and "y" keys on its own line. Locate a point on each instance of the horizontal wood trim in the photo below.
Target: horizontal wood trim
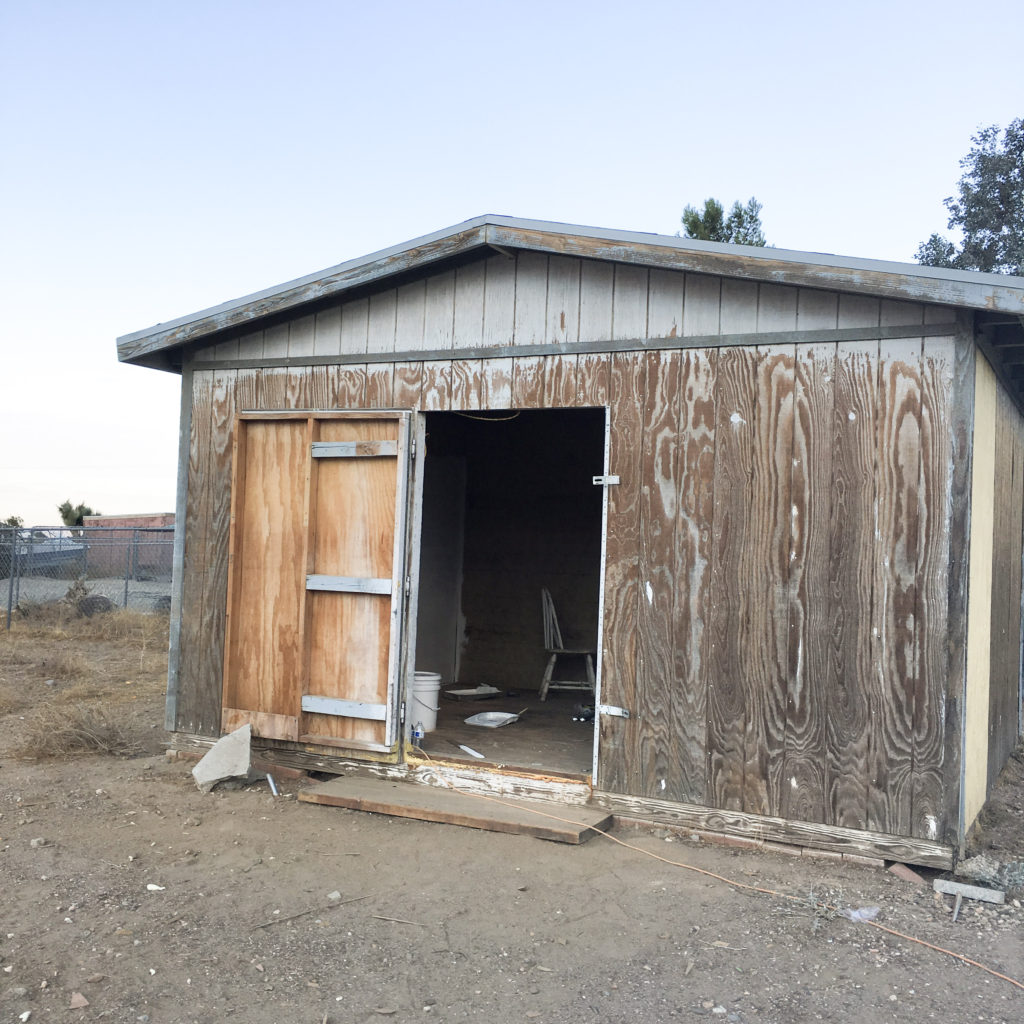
{"x": 278, "y": 727}
{"x": 348, "y": 744}
{"x": 343, "y": 708}
{"x": 349, "y": 584}
{"x": 353, "y": 449}
{"x": 797, "y": 833}
{"x": 319, "y": 414}
{"x": 619, "y": 345}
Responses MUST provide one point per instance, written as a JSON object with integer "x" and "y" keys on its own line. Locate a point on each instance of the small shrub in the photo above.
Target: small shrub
{"x": 59, "y": 730}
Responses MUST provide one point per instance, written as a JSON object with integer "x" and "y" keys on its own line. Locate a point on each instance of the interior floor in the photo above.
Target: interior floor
{"x": 545, "y": 739}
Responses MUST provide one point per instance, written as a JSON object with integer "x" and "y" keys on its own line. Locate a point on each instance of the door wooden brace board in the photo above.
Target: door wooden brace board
{"x": 344, "y": 708}
{"x": 349, "y": 584}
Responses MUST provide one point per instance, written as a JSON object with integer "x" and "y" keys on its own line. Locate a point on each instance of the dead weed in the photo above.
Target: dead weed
{"x": 10, "y": 699}
{"x": 61, "y": 729}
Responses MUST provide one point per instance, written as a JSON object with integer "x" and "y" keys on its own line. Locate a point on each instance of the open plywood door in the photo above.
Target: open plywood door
{"x": 315, "y": 592}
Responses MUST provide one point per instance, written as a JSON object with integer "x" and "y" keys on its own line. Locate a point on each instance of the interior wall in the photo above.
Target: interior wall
{"x": 532, "y": 519}
{"x": 439, "y": 624}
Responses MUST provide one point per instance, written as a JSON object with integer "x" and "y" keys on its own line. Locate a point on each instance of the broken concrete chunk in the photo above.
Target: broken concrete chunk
{"x": 228, "y": 758}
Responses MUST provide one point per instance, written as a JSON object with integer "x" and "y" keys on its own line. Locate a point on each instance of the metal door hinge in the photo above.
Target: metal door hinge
{"x": 408, "y": 585}
{"x": 605, "y": 481}
{"x": 401, "y": 712}
{"x": 412, "y": 449}
{"x": 611, "y": 709}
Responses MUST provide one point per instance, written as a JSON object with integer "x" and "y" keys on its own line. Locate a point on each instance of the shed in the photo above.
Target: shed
{"x": 779, "y": 492}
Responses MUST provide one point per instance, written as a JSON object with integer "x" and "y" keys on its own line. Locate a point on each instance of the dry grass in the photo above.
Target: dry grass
{"x": 61, "y": 729}
{"x": 11, "y": 700}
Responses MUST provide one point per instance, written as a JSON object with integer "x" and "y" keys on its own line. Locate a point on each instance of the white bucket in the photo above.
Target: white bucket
{"x": 426, "y": 689}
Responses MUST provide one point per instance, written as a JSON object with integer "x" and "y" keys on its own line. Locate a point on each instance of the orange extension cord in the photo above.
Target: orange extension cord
{"x": 740, "y": 885}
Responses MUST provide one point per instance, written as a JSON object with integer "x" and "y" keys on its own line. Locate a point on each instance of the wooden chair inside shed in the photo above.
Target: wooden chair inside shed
{"x": 555, "y": 648}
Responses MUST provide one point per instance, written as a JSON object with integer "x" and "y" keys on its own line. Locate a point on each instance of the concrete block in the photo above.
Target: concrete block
{"x": 228, "y": 758}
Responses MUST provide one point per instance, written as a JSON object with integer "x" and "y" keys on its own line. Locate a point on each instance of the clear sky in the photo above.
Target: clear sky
{"x": 159, "y": 158}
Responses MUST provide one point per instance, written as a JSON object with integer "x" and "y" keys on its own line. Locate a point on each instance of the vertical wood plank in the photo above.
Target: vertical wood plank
{"x": 191, "y": 715}
{"x": 731, "y": 596}
{"x": 496, "y": 383}
{"x": 381, "y": 321}
{"x": 469, "y": 306}
{"x": 436, "y": 392}
{"x": 327, "y": 332}
{"x": 528, "y": 382}
{"x": 739, "y": 306}
{"x": 852, "y": 552}
{"x": 892, "y": 695}
{"x": 563, "y": 303}
{"x": 768, "y": 570}
{"x": 380, "y": 380}
{"x": 355, "y": 326}
{"x": 410, "y": 311}
{"x": 816, "y": 310}
{"x": 933, "y": 568}
{"x": 351, "y": 387}
{"x": 665, "y": 303}
{"x": 692, "y": 572}
{"x": 776, "y": 308}
{"x": 656, "y": 748}
{"x": 702, "y": 308}
{"x": 275, "y": 341}
{"x": 439, "y": 311}
{"x": 593, "y": 372}
{"x": 805, "y": 785}
{"x": 273, "y": 388}
{"x": 499, "y": 301}
{"x": 619, "y": 768}
{"x": 322, "y": 389}
{"x": 629, "y": 308}
{"x": 531, "y": 304}
{"x": 301, "y": 336}
{"x": 596, "y": 288}
{"x": 250, "y": 346}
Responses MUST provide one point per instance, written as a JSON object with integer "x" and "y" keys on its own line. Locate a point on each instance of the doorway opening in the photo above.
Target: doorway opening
{"x": 510, "y": 509}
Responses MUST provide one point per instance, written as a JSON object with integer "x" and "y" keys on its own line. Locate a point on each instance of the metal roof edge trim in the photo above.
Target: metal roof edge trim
{"x": 952, "y": 287}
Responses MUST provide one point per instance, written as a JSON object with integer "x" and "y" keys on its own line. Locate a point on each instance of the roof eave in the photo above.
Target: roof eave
{"x": 908, "y": 282}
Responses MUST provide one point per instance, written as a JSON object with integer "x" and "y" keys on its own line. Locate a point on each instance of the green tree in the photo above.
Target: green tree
{"x": 742, "y": 226}
{"x": 72, "y": 515}
{"x": 15, "y": 521}
{"x": 988, "y": 208}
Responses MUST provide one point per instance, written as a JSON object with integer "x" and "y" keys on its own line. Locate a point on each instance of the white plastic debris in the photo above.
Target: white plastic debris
{"x": 860, "y": 914}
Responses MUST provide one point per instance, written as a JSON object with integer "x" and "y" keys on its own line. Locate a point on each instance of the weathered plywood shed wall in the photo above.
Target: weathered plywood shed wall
{"x": 786, "y": 564}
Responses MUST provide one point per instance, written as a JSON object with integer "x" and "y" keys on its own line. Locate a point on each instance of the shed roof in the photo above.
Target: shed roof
{"x": 1000, "y": 298}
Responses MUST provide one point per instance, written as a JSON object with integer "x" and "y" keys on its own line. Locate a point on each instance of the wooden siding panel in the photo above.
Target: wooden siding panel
{"x": 731, "y": 596}
{"x": 702, "y": 311}
{"x": 528, "y": 382}
{"x": 192, "y": 715}
{"x": 381, "y": 321}
{"x": 439, "y": 312}
{"x": 531, "y": 299}
{"x": 468, "y": 321}
{"x": 666, "y": 292}
{"x": 595, "y": 301}
{"x": 410, "y": 313}
{"x": 896, "y": 680}
{"x": 355, "y": 327}
{"x": 655, "y": 749}
{"x": 852, "y": 553}
{"x": 327, "y": 332}
{"x": 563, "y": 302}
{"x": 301, "y": 336}
{"x": 932, "y": 617}
{"x": 408, "y": 385}
{"x": 593, "y": 371}
{"x": 816, "y": 310}
{"x": 499, "y": 301}
{"x": 739, "y": 306}
{"x": 436, "y": 393}
{"x": 804, "y": 786}
{"x": 767, "y": 556}
{"x": 496, "y": 383}
{"x": 692, "y": 572}
{"x": 560, "y": 385}
{"x": 618, "y": 765}
{"x": 629, "y": 302}
{"x": 465, "y": 384}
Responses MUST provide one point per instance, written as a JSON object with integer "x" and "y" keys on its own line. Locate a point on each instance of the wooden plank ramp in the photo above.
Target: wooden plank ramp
{"x": 450, "y": 807}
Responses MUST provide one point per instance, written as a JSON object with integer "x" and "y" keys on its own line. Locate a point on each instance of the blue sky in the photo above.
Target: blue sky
{"x": 159, "y": 158}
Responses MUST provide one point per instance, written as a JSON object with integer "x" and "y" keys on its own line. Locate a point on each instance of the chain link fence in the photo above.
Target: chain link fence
{"x": 129, "y": 566}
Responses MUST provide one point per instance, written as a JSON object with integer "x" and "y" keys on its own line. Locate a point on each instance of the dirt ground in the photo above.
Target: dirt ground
{"x": 130, "y": 895}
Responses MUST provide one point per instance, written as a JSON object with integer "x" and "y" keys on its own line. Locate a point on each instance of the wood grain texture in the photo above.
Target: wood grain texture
{"x": 766, "y": 557}
{"x": 352, "y": 383}
{"x": 593, "y": 376}
{"x": 381, "y": 321}
{"x": 437, "y": 385}
{"x": 327, "y": 332}
{"x": 410, "y": 311}
{"x": 531, "y": 299}
{"x": 439, "y": 311}
{"x": 692, "y": 572}
{"x": 192, "y": 716}
{"x": 629, "y": 302}
{"x": 961, "y": 432}
{"x": 355, "y": 326}
{"x": 499, "y": 301}
{"x": 563, "y": 300}
{"x": 805, "y": 773}
{"x": 703, "y": 305}
{"x": 408, "y": 385}
{"x": 301, "y": 336}
{"x": 465, "y": 384}
{"x": 619, "y": 767}
{"x": 380, "y": 386}
{"x": 273, "y": 388}
{"x": 496, "y": 383}
{"x": 895, "y": 682}
{"x": 852, "y": 553}
{"x": 666, "y": 293}
{"x": 595, "y": 301}
{"x": 932, "y": 616}
{"x": 528, "y": 382}
{"x": 560, "y": 385}
{"x": 731, "y": 595}
{"x": 655, "y": 746}
{"x": 468, "y": 321}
